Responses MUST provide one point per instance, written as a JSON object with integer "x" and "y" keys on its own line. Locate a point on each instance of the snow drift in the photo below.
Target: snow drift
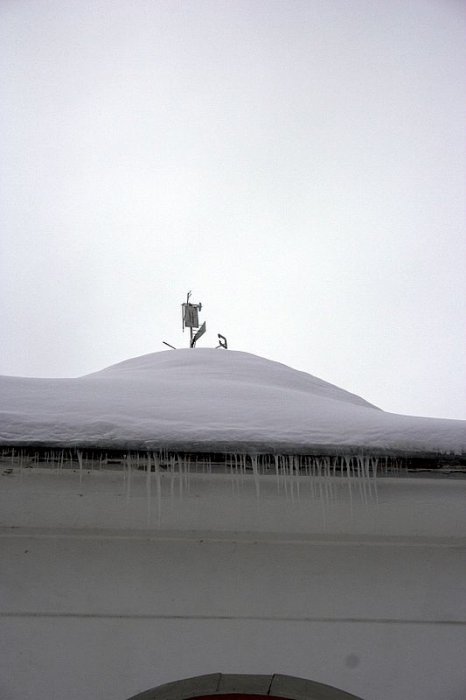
{"x": 210, "y": 400}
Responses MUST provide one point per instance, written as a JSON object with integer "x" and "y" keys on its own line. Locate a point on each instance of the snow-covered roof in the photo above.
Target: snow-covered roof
{"x": 210, "y": 400}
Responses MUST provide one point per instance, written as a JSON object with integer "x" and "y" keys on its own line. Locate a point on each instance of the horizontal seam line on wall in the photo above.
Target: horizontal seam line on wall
{"x": 453, "y": 543}
{"x": 254, "y": 618}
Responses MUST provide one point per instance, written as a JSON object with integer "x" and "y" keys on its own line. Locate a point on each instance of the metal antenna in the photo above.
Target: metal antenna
{"x": 223, "y": 341}
{"x": 190, "y": 319}
{"x": 196, "y": 337}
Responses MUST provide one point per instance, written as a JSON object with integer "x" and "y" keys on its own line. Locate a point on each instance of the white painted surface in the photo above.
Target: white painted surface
{"x": 101, "y": 598}
{"x": 96, "y": 500}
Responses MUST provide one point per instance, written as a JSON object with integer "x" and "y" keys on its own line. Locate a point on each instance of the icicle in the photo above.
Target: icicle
{"x": 148, "y": 487}
{"x": 242, "y": 466}
{"x": 180, "y": 478}
{"x": 231, "y": 471}
{"x": 284, "y": 475}
{"x": 80, "y": 462}
{"x": 187, "y": 472}
{"x": 295, "y": 461}
{"x": 255, "y": 472}
{"x": 291, "y": 480}
{"x": 375, "y": 465}
{"x": 311, "y": 477}
{"x": 277, "y": 473}
{"x": 158, "y": 483}
{"x": 324, "y": 479}
{"x": 320, "y": 488}
{"x": 237, "y": 474}
{"x": 128, "y": 475}
{"x": 348, "y": 481}
{"x": 359, "y": 479}
{"x": 330, "y": 471}
{"x": 367, "y": 479}
{"x": 171, "y": 467}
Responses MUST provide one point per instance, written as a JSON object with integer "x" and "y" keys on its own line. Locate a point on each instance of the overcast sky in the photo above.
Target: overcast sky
{"x": 299, "y": 165}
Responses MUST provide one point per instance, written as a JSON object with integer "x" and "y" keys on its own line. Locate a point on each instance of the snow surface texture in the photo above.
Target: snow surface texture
{"x": 210, "y": 400}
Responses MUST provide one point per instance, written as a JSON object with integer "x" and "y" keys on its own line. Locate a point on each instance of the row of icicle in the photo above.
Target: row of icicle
{"x": 321, "y": 477}
{"x": 349, "y": 466}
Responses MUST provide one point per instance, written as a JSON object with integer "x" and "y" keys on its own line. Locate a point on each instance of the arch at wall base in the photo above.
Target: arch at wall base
{"x": 246, "y": 687}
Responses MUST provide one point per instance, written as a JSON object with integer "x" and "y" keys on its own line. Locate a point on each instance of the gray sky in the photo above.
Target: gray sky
{"x": 299, "y": 165}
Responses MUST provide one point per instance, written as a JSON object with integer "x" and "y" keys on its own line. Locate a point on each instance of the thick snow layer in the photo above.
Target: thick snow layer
{"x": 208, "y": 399}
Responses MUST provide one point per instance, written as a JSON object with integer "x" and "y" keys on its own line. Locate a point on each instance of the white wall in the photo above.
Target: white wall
{"x": 103, "y": 597}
